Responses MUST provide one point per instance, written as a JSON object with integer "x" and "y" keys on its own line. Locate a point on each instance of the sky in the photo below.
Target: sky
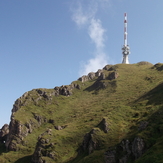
{"x": 50, "y": 43}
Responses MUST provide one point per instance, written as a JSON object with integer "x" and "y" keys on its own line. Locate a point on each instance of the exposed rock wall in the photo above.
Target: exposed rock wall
{"x": 4, "y": 133}
{"x": 126, "y": 151}
{"x": 40, "y": 150}
{"x": 92, "y": 140}
{"x": 17, "y": 132}
{"x": 90, "y": 143}
{"x": 100, "y": 74}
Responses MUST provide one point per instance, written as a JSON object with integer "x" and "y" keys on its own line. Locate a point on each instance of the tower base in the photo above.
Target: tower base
{"x": 125, "y": 59}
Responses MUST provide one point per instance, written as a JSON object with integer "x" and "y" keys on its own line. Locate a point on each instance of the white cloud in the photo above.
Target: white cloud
{"x": 78, "y": 17}
{"x": 85, "y": 15}
{"x": 96, "y": 33}
{"x": 95, "y": 63}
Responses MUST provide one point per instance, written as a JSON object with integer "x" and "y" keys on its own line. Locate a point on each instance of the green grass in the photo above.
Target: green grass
{"x": 134, "y": 96}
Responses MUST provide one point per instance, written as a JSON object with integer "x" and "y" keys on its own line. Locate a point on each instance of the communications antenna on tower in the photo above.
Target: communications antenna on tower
{"x": 125, "y": 48}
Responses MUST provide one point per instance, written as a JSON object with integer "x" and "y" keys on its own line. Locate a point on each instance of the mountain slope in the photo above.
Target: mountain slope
{"x": 113, "y": 115}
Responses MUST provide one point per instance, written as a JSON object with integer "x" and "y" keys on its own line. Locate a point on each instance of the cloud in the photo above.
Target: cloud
{"x": 96, "y": 33}
{"x": 95, "y": 63}
{"x": 78, "y": 17}
{"x": 84, "y": 14}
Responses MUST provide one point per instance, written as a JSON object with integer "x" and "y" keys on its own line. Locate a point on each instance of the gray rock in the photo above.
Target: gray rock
{"x": 64, "y": 90}
{"x": 107, "y": 67}
{"x": 125, "y": 144}
{"x": 103, "y": 125}
{"x": 113, "y": 75}
{"x": 110, "y": 156}
{"x": 138, "y": 147}
{"x": 3, "y": 133}
{"x": 125, "y": 150}
{"x": 123, "y": 160}
{"x": 91, "y": 75}
{"x": 90, "y": 143}
{"x": 60, "y": 127}
{"x": 84, "y": 78}
{"x": 42, "y": 149}
{"x": 98, "y": 73}
{"x": 102, "y": 76}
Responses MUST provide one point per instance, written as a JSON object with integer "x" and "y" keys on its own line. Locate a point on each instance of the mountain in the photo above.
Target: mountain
{"x": 112, "y": 116}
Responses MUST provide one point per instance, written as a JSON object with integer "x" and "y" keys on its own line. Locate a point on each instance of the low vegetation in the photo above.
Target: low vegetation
{"x": 135, "y": 97}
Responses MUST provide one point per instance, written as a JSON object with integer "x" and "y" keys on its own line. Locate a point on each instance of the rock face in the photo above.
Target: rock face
{"x": 3, "y": 133}
{"x": 17, "y": 132}
{"x": 138, "y": 147}
{"x": 85, "y": 78}
{"x": 40, "y": 150}
{"x": 90, "y": 76}
{"x": 100, "y": 74}
{"x": 110, "y": 156}
{"x": 65, "y": 90}
{"x": 126, "y": 151}
{"x": 113, "y": 75}
{"x": 103, "y": 125}
{"x": 90, "y": 143}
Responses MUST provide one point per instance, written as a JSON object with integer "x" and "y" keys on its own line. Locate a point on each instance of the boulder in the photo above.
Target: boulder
{"x": 60, "y": 127}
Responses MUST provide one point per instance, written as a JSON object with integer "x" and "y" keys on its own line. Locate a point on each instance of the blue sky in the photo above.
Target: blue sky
{"x": 50, "y": 43}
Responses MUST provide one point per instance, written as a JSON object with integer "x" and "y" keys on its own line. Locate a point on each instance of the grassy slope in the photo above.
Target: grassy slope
{"x": 125, "y": 102}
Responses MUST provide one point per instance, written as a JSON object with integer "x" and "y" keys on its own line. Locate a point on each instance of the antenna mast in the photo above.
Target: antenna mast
{"x": 125, "y": 48}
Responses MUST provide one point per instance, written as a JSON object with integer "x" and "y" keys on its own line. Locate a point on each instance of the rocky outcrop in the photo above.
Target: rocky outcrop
{"x": 103, "y": 125}
{"x": 41, "y": 151}
{"x": 138, "y": 147}
{"x": 60, "y": 127}
{"x": 98, "y": 73}
{"x": 102, "y": 76}
{"x": 110, "y": 156}
{"x": 17, "y": 132}
{"x": 15, "y": 136}
{"x": 4, "y": 133}
{"x": 40, "y": 119}
{"x": 107, "y": 67}
{"x": 19, "y": 102}
{"x": 65, "y": 90}
{"x": 85, "y": 78}
{"x": 44, "y": 94}
{"x": 90, "y": 76}
{"x": 126, "y": 151}
{"x": 90, "y": 142}
{"x": 113, "y": 75}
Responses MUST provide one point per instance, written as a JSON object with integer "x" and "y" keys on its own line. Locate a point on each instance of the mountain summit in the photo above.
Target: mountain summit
{"x": 112, "y": 116}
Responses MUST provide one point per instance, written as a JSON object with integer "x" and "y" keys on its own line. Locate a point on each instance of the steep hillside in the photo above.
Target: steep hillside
{"x": 112, "y": 116}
